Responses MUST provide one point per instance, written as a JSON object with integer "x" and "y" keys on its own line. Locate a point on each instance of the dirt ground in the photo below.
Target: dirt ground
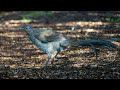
{"x": 21, "y": 59}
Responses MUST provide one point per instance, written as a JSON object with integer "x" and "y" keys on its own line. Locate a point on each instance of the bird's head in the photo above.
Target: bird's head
{"x": 26, "y": 28}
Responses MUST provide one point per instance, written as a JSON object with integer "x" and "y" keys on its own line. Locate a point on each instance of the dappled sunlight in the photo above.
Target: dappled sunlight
{"x": 22, "y": 59}
{"x": 12, "y": 34}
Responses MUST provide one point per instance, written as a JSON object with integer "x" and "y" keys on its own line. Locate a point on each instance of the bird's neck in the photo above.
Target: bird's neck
{"x": 36, "y": 41}
{"x": 30, "y": 32}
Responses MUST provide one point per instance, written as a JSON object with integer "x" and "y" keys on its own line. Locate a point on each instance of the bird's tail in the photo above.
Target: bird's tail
{"x": 99, "y": 43}
{"x": 74, "y": 43}
{"x": 93, "y": 43}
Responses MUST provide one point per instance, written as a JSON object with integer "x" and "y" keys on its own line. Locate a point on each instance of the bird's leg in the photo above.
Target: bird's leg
{"x": 56, "y": 56}
{"x": 46, "y": 62}
{"x": 61, "y": 55}
{"x": 50, "y": 60}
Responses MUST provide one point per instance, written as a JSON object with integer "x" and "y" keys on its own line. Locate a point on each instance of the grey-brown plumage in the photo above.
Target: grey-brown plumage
{"x": 48, "y": 41}
{"x": 52, "y": 42}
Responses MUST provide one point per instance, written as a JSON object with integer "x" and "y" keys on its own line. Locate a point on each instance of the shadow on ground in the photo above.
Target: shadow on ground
{"x": 21, "y": 59}
{"x": 65, "y": 70}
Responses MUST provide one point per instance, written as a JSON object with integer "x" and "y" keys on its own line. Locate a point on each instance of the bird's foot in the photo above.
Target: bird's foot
{"x": 46, "y": 64}
{"x": 50, "y": 63}
{"x": 56, "y": 58}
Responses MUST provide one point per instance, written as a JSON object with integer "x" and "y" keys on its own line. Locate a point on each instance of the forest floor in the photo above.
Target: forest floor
{"x": 21, "y": 59}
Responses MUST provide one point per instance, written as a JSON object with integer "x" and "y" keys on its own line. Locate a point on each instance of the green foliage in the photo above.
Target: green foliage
{"x": 1, "y": 14}
{"x": 112, "y": 19}
{"x": 32, "y": 14}
{"x": 27, "y": 20}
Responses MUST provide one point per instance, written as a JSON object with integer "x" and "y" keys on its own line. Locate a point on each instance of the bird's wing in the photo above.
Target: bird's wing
{"x": 48, "y": 36}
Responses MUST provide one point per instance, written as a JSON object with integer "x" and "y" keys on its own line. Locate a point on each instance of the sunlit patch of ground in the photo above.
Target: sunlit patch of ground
{"x": 20, "y": 58}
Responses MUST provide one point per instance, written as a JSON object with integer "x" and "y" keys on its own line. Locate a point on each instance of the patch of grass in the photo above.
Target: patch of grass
{"x": 1, "y": 14}
{"x": 27, "y": 20}
{"x": 112, "y": 19}
{"x": 32, "y": 14}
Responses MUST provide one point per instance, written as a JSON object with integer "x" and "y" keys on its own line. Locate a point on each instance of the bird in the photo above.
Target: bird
{"x": 53, "y": 42}
{"x": 49, "y": 41}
